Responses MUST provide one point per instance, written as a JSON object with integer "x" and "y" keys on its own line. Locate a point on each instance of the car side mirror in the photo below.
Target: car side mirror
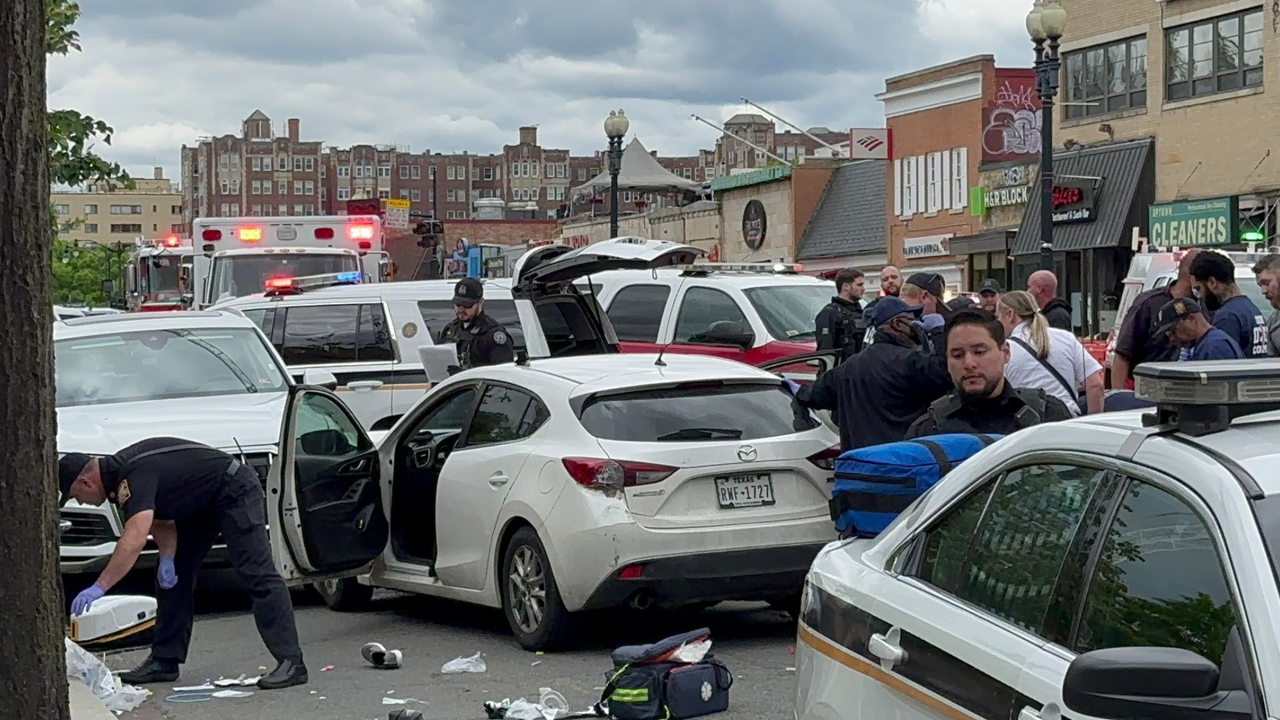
{"x": 730, "y": 332}
{"x": 320, "y": 378}
{"x": 1136, "y": 683}
{"x": 187, "y": 299}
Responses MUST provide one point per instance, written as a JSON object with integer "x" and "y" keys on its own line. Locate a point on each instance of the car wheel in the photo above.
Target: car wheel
{"x": 344, "y": 594}
{"x": 530, "y": 597}
{"x": 789, "y": 605}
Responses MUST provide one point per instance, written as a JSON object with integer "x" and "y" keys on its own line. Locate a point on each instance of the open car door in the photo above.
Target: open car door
{"x": 803, "y": 369}
{"x": 324, "y": 499}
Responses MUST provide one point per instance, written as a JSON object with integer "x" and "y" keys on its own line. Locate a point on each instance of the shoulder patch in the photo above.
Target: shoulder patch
{"x": 123, "y": 493}
{"x": 500, "y": 337}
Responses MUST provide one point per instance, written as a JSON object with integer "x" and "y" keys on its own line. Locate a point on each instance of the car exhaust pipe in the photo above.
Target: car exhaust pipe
{"x": 641, "y": 601}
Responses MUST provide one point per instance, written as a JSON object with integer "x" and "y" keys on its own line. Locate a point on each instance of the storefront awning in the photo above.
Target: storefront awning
{"x": 983, "y": 242}
{"x": 1100, "y": 193}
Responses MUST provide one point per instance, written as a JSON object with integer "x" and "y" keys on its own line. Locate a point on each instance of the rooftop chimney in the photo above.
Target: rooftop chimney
{"x": 158, "y": 173}
{"x": 293, "y": 129}
{"x": 529, "y": 135}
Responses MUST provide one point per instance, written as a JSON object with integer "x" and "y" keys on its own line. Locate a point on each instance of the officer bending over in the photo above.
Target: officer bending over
{"x": 480, "y": 339}
{"x": 983, "y": 401}
{"x": 184, "y": 494}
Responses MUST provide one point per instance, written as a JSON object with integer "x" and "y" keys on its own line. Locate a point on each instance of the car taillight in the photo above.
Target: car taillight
{"x": 324, "y": 233}
{"x": 360, "y": 232}
{"x": 827, "y": 458}
{"x": 366, "y": 245}
{"x": 594, "y": 473}
{"x": 211, "y": 235}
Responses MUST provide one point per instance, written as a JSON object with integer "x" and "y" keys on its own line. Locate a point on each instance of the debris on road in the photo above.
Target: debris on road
{"x": 473, "y": 664}
{"x": 232, "y": 694}
{"x": 401, "y": 701}
{"x": 82, "y": 666}
{"x": 377, "y": 655}
{"x": 404, "y": 715}
{"x": 326, "y": 668}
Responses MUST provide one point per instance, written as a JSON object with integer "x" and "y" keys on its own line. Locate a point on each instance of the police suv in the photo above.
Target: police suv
{"x": 369, "y": 335}
{"x": 210, "y": 377}
{"x": 1122, "y": 565}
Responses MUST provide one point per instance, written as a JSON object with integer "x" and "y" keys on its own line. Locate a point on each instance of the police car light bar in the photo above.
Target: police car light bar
{"x": 1199, "y": 398}
{"x": 287, "y": 285}
{"x": 777, "y": 268}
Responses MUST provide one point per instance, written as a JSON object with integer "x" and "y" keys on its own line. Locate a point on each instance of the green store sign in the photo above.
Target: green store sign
{"x": 1195, "y": 223}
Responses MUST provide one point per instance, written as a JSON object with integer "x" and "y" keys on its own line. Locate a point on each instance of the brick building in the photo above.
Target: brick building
{"x": 730, "y": 154}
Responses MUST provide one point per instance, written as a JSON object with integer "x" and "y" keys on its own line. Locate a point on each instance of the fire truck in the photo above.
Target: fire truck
{"x": 160, "y": 274}
{"x": 243, "y": 253}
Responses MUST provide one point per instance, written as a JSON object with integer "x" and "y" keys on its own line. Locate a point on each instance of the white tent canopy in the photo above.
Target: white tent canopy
{"x": 640, "y": 171}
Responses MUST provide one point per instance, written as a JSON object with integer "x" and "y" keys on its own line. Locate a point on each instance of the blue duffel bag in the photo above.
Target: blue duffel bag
{"x": 875, "y": 484}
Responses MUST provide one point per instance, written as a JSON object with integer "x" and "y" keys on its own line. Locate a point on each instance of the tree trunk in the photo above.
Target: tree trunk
{"x": 33, "y": 681}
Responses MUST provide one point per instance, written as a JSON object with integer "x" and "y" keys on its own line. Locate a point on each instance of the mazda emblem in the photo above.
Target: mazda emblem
{"x": 746, "y": 453}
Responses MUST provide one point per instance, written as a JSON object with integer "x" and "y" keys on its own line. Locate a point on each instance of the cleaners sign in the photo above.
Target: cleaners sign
{"x": 1188, "y": 224}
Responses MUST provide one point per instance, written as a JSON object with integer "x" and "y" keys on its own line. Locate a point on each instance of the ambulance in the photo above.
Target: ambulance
{"x": 244, "y": 253}
{"x": 161, "y": 274}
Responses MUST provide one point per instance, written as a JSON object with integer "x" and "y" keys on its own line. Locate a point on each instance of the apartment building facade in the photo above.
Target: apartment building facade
{"x": 1190, "y": 74}
{"x": 150, "y": 210}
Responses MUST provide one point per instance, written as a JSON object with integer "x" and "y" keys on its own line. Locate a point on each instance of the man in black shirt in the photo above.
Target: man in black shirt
{"x": 839, "y": 325}
{"x": 983, "y": 401}
{"x": 1043, "y": 286}
{"x": 480, "y": 339}
{"x": 881, "y": 390}
{"x": 1136, "y": 340}
{"x": 184, "y": 494}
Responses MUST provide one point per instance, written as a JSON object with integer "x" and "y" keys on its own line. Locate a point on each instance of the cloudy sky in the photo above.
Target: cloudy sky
{"x": 453, "y": 75}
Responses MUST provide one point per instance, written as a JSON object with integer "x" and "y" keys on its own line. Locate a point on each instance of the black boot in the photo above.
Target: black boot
{"x": 287, "y": 674}
{"x": 151, "y": 671}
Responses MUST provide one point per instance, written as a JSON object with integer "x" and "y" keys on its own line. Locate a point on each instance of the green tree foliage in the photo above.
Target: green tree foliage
{"x": 78, "y": 273}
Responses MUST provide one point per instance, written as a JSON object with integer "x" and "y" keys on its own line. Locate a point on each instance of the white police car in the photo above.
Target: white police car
{"x": 1122, "y": 565}
{"x": 210, "y": 377}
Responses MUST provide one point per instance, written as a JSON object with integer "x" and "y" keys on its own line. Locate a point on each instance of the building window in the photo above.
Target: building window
{"x": 384, "y": 171}
{"x": 297, "y": 187}
{"x": 384, "y": 194}
{"x": 283, "y": 210}
{"x": 1214, "y": 56}
{"x": 309, "y": 188}
{"x": 92, "y": 209}
{"x": 235, "y": 187}
{"x": 282, "y": 187}
{"x": 309, "y": 164}
{"x": 415, "y": 172}
{"x": 404, "y": 172}
{"x": 959, "y": 179}
{"x": 255, "y": 187}
{"x": 235, "y": 211}
{"x": 256, "y": 211}
{"x": 1107, "y": 79}
{"x": 134, "y": 228}
{"x": 344, "y": 171}
{"x": 173, "y": 209}
{"x": 415, "y": 195}
{"x": 344, "y": 193}
{"x": 582, "y": 174}
{"x": 432, "y": 175}
{"x": 488, "y": 173}
{"x": 62, "y": 209}
{"x": 91, "y": 228}
{"x": 255, "y": 163}
{"x": 126, "y": 209}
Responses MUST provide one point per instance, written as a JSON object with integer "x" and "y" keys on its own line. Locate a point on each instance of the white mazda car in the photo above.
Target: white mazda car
{"x": 555, "y": 486}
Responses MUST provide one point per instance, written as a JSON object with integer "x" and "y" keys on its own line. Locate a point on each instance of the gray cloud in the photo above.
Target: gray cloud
{"x": 449, "y": 75}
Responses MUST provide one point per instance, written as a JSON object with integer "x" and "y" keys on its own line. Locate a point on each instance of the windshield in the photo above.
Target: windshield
{"x": 240, "y": 275}
{"x": 161, "y": 274}
{"x": 163, "y": 364}
{"x": 696, "y": 412}
{"x": 788, "y": 311}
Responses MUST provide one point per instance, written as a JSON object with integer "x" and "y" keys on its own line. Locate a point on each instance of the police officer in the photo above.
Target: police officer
{"x": 481, "y": 340}
{"x": 839, "y": 325}
{"x": 983, "y": 401}
{"x": 184, "y": 494}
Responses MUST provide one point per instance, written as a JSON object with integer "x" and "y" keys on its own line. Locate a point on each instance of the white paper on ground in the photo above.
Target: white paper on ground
{"x": 232, "y": 694}
{"x": 195, "y": 688}
{"x": 400, "y": 701}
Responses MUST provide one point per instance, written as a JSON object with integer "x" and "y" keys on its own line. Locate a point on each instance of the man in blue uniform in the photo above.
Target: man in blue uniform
{"x": 1183, "y": 322}
{"x": 184, "y": 494}
{"x": 1233, "y": 312}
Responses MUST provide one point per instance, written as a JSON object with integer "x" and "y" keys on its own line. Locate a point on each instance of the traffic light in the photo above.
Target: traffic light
{"x": 364, "y": 207}
{"x": 429, "y": 232}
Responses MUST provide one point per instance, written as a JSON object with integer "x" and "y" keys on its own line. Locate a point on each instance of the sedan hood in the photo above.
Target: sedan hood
{"x": 224, "y": 421}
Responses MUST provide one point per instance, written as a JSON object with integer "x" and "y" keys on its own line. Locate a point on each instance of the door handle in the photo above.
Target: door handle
{"x": 1050, "y": 712}
{"x": 498, "y": 479}
{"x": 888, "y": 648}
{"x": 364, "y": 385}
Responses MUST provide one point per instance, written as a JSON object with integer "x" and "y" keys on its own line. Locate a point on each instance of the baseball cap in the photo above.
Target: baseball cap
{"x": 69, "y": 468}
{"x": 989, "y": 285}
{"x": 1174, "y": 312}
{"x": 931, "y": 283}
{"x": 889, "y": 307}
{"x": 468, "y": 292}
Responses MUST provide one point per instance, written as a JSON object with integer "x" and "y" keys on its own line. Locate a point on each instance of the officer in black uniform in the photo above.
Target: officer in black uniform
{"x": 184, "y": 494}
{"x": 983, "y": 401}
{"x": 481, "y": 340}
{"x": 839, "y": 324}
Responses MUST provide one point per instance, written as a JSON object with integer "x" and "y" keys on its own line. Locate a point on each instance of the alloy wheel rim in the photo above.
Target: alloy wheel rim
{"x": 527, "y": 589}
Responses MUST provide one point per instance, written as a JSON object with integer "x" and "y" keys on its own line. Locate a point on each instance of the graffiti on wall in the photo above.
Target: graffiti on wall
{"x": 1012, "y": 118}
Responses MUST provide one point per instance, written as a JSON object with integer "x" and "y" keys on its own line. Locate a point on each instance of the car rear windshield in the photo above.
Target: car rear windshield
{"x": 696, "y": 412}
{"x": 788, "y": 310}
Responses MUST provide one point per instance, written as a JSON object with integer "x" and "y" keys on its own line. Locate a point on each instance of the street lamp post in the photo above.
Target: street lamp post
{"x": 615, "y": 128}
{"x": 1046, "y": 24}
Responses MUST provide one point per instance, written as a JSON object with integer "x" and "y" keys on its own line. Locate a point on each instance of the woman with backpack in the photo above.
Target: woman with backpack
{"x": 1047, "y": 358}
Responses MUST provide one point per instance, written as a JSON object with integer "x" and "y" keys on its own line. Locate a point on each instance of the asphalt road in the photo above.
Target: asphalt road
{"x": 755, "y": 642}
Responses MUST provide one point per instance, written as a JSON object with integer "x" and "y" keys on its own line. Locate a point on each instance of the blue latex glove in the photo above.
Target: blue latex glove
{"x": 166, "y": 573}
{"x": 86, "y": 599}
{"x": 792, "y": 385}
{"x": 932, "y": 322}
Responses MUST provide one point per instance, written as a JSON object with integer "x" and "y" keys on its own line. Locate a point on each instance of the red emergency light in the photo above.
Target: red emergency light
{"x": 172, "y": 241}
{"x": 211, "y": 235}
{"x": 360, "y": 232}
{"x": 251, "y": 234}
{"x": 324, "y": 233}
{"x": 279, "y": 283}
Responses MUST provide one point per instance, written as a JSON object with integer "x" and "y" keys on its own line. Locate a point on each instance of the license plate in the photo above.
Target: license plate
{"x": 744, "y": 491}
